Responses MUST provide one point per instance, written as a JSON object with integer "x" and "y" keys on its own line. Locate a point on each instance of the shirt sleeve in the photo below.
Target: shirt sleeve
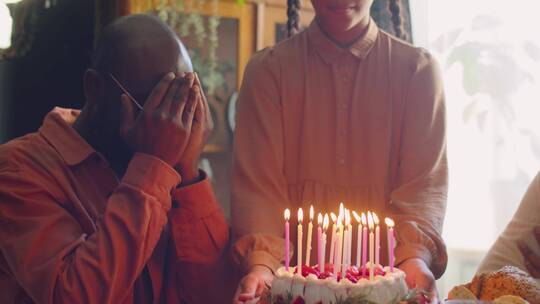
{"x": 505, "y": 250}
{"x": 200, "y": 235}
{"x": 418, "y": 199}
{"x": 56, "y": 259}
{"x": 259, "y": 189}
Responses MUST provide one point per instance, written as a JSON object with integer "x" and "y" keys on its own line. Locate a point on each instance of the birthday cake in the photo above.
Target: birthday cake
{"x": 313, "y": 287}
{"x": 340, "y": 281}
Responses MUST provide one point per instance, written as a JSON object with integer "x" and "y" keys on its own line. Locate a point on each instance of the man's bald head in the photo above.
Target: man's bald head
{"x": 136, "y": 40}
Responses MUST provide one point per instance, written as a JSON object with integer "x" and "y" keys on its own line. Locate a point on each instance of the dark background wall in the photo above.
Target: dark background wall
{"x": 50, "y": 73}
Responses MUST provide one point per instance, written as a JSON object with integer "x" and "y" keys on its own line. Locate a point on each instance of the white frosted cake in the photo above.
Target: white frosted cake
{"x": 313, "y": 287}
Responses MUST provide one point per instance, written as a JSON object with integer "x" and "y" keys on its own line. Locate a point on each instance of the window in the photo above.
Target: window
{"x": 489, "y": 53}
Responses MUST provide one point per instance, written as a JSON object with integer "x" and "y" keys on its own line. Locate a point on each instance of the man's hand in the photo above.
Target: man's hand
{"x": 532, "y": 260}
{"x": 253, "y": 284}
{"x": 163, "y": 127}
{"x": 200, "y": 131}
{"x": 419, "y": 276}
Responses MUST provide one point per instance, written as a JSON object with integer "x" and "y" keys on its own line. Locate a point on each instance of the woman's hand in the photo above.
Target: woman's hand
{"x": 532, "y": 260}
{"x": 420, "y": 276}
{"x": 253, "y": 284}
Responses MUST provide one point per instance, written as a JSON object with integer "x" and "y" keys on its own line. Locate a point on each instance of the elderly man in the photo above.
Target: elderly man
{"x": 106, "y": 204}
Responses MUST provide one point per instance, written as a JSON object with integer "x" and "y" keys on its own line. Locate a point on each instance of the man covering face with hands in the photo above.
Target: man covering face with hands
{"x": 106, "y": 204}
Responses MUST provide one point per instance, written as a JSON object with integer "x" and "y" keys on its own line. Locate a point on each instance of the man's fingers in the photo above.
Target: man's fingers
{"x": 170, "y": 96}
{"x": 189, "y": 108}
{"x": 127, "y": 114}
{"x": 158, "y": 92}
{"x": 206, "y": 108}
{"x": 179, "y": 102}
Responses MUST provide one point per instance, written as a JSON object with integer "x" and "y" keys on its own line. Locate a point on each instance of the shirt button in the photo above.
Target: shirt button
{"x": 341, "y": 161}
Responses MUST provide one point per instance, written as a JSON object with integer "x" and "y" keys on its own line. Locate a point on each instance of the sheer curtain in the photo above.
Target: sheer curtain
{"x": 489, "y": 53}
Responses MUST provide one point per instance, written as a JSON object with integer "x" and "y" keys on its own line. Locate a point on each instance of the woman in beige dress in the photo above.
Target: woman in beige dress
{"x": 340, "y": 112}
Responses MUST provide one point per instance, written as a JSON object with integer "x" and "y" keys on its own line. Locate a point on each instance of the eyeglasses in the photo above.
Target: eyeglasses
{"x": 125, "y": 91}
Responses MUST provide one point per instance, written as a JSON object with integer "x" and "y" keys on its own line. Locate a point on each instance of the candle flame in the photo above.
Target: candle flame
{"x": 370, "y": 220}
{"x": 287, "y": 214}
{"x": 311, "y": 213}
{"x": 300, "y": 215}
{"x": 341, "y": 210}
{"x": 334, "y": 217}
{"x": 357, "y": 217}
{"x": 326, "y": 222}
{"x": 319, "y": 219}
{"x": 389, "y": 222}
{"x": 364, "y": 220}
{"x": 375, "y": 219}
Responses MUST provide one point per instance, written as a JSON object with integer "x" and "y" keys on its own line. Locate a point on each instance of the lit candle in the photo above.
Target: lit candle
{"x": 309, "y": 235}
{"x": 346, "y": 251}
{"x": 320, "y": 258}
{"x": 339, "y": 249}
{"x": 299, "y": 242}
{"x": 359, "y": 241}
{"x": 287, "y": 215}
{"x": 326, "y": 223}
{"x": 364, "y": 243}
{"x": 377, "y": 238}
{"x": 349, "y": 251}
{"x": 333, "y": 240}
{"x": 371, "y": 246}
{"x": 336, "y": 260}
{"x": 391, "y": 239}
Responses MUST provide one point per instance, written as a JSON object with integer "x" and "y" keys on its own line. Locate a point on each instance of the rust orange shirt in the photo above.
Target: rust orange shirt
{"x": 72, "y": 232}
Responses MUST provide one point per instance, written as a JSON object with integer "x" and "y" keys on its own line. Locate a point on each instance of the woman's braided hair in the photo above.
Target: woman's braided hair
{"x": 293, "y": 17}
{"x": 395, "y": 9}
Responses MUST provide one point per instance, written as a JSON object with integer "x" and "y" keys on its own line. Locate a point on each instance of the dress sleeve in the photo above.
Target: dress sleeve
{"x": 418, "y": 199}
{"x": 259, "y": 190}
{"x": 49, "y": 254}
{"x": 505, "y": 250}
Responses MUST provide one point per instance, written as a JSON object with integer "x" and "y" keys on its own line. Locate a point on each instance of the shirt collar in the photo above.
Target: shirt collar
{"x": 331, "y": 52}
{"x": 57, "y": 129}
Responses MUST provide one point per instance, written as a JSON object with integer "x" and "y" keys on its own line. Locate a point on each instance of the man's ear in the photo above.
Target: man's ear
{"x": 94, "y": 87}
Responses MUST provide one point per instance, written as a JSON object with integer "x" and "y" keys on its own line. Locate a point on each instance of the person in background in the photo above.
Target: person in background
{"x": 107, "y": 205}
{"x": 519, "y": 243}
{"x": 340, "y": 112}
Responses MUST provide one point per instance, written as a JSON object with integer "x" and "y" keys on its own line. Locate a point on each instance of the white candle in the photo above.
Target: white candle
{"x": 337, "y": 261}
{"x": 377, "y": 238}
{"x": 359, "y": 240}
{"x": 390, "y": 231}
{"x": 326, "y": 222}
{"x": 333, "y": 240}
{"x": 371, "y": 247}
{"x": 299, "y": 242}
{"x": 339, "y": 249}
{"x": 320, "y": 258}
{"x": 287, "y": 215}
{"x": 309, "y": 235}
{"x": 349, "y": 246}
